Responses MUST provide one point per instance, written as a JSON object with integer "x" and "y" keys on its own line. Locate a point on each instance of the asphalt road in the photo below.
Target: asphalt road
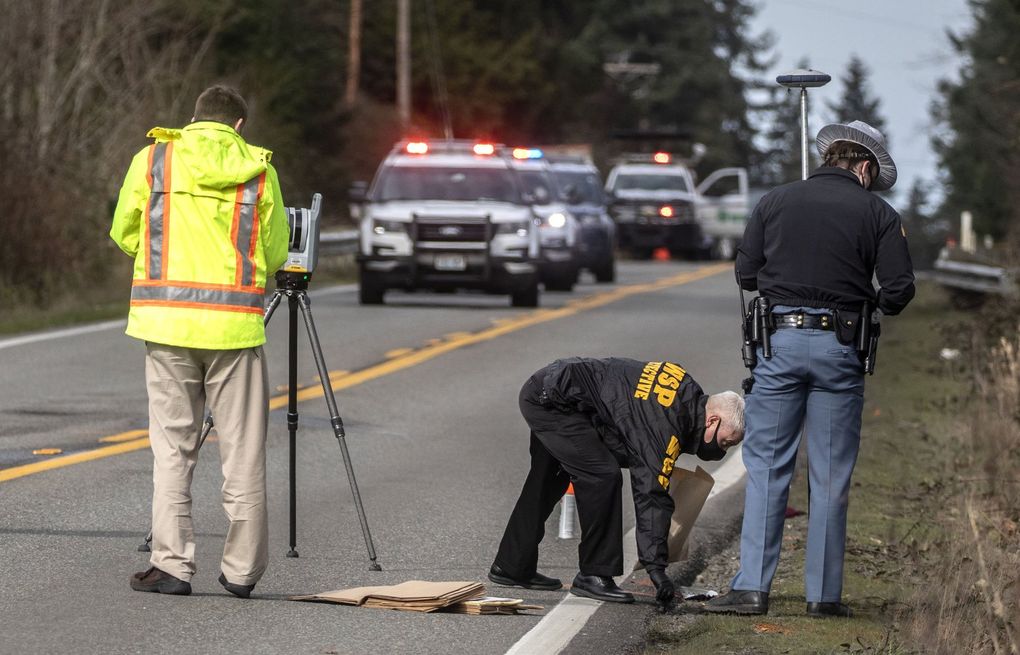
{"x": 437, "y": 444}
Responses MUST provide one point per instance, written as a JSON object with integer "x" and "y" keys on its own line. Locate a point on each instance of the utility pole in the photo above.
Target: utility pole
{"x": 353, "y": 55}
{"x": 404, "y": 62}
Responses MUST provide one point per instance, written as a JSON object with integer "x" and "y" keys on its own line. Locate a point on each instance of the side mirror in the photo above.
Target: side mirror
{"x": 357, "y": 192}
{"x": 610, "y": 196}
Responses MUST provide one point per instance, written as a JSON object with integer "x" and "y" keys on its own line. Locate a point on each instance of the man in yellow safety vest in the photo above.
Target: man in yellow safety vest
{"x": 202, "y": 214}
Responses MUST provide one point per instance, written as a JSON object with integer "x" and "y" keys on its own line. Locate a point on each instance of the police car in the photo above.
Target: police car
{"x": 448, "y": 215}
{"x": 558, "y": 230}
{"x": 656, "y": 204}
{"x": 581, "y": 188}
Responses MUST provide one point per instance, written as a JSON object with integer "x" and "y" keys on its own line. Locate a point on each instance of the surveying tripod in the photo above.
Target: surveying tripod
{"x": 294, "y": 285}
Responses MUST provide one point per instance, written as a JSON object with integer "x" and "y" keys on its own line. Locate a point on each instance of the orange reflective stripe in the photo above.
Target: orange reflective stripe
{"x": 198, "y": 285}
{"x": 196, "y": 305}
{"x": 180, "y": 295}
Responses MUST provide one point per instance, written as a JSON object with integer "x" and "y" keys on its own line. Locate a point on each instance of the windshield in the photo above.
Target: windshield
{"x": 436, "y": 183}
{"x": 539, "y": 184}
{"x": 652, "y": 182}
{"x": 588, "y": 186}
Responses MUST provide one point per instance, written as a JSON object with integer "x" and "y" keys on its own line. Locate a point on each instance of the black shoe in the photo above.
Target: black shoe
{"x": 739, "y": 602}
{"x": 239, "y": 590}
{"x": 599, "y": 587}
{"x": 825, "y": 610}
{"x": 159, "y": 582}
{"x": 537, "y": 581}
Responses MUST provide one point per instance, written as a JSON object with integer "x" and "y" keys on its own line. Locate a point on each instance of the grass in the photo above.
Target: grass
{"x": 894, "y": 539}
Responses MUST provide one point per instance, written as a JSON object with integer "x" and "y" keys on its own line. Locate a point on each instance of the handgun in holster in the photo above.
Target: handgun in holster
{"x": 867, "y": 337}
{"x": 757, "y": 331}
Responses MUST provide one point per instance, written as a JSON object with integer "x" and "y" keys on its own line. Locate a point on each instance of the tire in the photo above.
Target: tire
{"x": 527, "y": 297}
{"x": 606, "y": 272}
{"x": 370, "y": 292}
{"x": 559, "y": 285}
{"x": 563, "y": 282}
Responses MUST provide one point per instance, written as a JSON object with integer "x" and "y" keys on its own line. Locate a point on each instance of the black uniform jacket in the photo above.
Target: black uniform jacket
{"x": 647, "y": 413}
{"x": 818, "y": 242}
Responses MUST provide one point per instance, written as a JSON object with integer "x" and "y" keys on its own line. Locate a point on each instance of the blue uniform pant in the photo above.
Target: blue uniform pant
{"x": 816, "y": 382}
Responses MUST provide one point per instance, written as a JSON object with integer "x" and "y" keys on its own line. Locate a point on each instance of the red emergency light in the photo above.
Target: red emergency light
{"x": 666, "y": 211}
{"x": 484, "y": 149}
{"x": 417, "y": 147}
{"x": 661, "y": 158}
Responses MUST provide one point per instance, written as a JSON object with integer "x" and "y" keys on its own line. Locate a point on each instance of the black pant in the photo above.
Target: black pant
{"x": 565, "y": 447}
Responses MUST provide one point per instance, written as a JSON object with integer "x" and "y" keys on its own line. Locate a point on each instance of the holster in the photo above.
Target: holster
{"x": 847, "y": 325}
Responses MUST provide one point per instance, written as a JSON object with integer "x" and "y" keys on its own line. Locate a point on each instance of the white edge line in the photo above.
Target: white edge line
{"x": 60, "y": 334}
{"x": 557, "y": 628}
{"x": 36, "y": 337}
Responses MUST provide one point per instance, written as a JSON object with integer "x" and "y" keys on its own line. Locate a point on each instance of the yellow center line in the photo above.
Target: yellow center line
{"x": 344, "y": 380}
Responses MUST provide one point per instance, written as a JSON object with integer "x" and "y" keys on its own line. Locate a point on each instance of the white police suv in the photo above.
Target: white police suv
{"x": 448, "y": 215}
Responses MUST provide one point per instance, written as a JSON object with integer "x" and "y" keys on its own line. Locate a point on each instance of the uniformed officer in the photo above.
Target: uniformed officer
{"x": 589, "y": 418}
{"x": 812, "y": 248}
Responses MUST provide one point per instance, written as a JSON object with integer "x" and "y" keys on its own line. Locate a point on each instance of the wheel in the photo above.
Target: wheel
{"x": 559, "y": 284}
{"x": 527, "y": 297}
{"x": 564, "y": 282}
{"x": 606, "y": 272}
{"x": 370, "y": 292}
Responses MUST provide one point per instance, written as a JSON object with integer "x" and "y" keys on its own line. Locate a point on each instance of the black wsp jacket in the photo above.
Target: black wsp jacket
{"x": 647, "y": 413}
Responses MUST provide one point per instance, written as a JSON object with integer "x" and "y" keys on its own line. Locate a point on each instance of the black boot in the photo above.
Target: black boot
{"x": 599, "y": 587}
{"x": 739, "y": 602}
{"x": 825, "y": 610}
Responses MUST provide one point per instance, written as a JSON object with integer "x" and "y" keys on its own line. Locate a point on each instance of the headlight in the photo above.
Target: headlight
{"x": 520, "y": 228}
{"x": 556, "y": 220}
{"x": 382, "y": 227}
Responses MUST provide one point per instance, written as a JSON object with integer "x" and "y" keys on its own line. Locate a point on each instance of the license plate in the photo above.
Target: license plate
{"x": 450, "y": 263}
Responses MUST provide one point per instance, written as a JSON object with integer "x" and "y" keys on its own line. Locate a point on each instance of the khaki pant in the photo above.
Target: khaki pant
{"x": 234, "y": 385}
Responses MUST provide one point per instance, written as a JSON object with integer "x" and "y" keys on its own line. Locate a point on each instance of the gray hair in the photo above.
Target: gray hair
{"x": 730, "y": 407}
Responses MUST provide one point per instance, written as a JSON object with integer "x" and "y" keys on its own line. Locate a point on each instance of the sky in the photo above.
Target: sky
{"x": 904, "y": 45}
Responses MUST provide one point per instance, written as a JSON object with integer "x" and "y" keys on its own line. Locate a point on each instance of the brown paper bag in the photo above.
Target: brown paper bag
{"x": 689, "y": 491}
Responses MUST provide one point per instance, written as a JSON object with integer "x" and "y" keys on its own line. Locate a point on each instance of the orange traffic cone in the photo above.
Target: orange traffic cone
{"x": 661, "y": 254}
{"x": 568, "y": 510}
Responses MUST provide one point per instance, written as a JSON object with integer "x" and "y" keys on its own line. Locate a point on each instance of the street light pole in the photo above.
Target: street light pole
{"x": 803, "y": 79}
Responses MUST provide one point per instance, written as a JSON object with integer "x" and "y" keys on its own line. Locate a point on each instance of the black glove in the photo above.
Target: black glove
{"x": 665, "y": 592}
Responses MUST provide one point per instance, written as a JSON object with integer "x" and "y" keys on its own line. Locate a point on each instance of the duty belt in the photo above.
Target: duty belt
{"x": 804, "y": 321}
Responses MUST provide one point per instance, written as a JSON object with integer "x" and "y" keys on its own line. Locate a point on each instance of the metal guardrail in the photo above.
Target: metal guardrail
{"x": 977, "y": 278}
{"x": 339, "y": 242}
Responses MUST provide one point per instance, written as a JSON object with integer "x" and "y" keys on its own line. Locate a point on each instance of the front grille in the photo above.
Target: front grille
{"x": 452, "y": 232}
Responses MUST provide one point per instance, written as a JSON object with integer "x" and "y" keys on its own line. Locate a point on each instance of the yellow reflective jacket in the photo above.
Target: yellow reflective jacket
{"x": 202, "y": 214}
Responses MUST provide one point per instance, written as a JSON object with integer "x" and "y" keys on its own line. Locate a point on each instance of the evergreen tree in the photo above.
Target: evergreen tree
{"x": 926, "y": 231}
{"x": 980, "y": 112}
{"x": 857, "y": 103}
